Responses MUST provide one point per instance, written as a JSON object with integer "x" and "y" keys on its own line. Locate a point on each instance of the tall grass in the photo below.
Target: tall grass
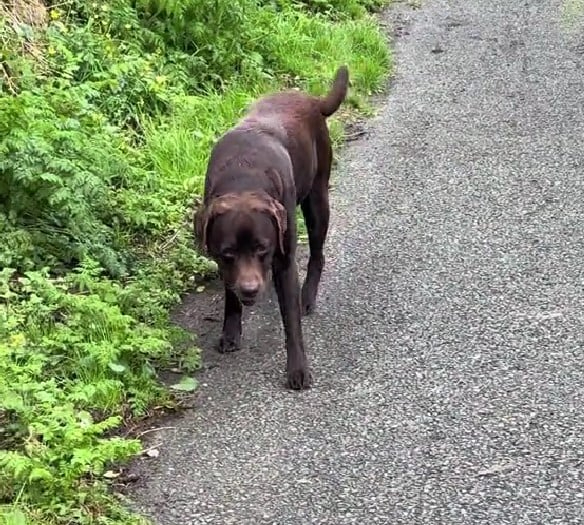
{"x": 309, "y": 50}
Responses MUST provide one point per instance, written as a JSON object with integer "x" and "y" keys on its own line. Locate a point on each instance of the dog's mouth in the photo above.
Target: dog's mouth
{"x": 251, "y": 297}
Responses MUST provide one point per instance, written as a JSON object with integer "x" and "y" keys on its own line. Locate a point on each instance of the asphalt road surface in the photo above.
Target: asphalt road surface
{"x": 447, "y": 347}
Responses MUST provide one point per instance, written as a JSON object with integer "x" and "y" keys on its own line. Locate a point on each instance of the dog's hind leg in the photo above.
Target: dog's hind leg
{"x": 316, "y": 211}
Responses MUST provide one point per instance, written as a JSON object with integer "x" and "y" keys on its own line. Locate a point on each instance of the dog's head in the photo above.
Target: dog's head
{"x": 243, "y": 232}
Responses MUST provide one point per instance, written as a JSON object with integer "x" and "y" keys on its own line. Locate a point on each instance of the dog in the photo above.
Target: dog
{"x": 278, "y": 156}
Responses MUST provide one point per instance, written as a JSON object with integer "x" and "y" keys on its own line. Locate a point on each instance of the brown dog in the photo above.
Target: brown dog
{"x": 278, "y": 156}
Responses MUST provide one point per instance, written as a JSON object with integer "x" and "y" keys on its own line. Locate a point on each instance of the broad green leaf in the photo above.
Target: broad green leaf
{"x": 186, "y": 384}
{"x": 39, "y": 473}
{"x": 116, "y": 367}
{"x": 15, "y": 517}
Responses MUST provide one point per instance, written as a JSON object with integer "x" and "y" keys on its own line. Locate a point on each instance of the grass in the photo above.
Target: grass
{"x": 108, "y": 111}
{"x": 180, "y": 160}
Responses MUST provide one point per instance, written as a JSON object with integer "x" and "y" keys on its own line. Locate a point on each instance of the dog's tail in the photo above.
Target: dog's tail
{"x": 338, "y": 92}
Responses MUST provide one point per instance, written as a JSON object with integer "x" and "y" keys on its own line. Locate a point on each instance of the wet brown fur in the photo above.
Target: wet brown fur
{"x": 278, "y": 156}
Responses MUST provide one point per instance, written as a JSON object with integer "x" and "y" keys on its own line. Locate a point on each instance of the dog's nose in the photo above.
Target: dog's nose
{"x": 250, "y": 288}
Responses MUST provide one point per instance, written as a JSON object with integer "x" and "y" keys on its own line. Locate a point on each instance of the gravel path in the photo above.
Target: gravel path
{"x": 447, "y": 346}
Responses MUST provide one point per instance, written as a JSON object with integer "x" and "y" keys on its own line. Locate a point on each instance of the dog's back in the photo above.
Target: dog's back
{"x": 293, "y": 120}
{"x": 302, "y": 104}
{"x": 298, "y": 121}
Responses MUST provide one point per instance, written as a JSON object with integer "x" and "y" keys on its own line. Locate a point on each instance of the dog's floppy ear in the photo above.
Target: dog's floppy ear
{"x": 200, "y": 223}
{"x": 278, "y": 212}
{"x": 204, "y": 215}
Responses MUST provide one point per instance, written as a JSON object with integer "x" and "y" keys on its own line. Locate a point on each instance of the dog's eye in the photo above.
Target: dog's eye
{"x": 228, "y": 256}
{"x": 262, "y": 251}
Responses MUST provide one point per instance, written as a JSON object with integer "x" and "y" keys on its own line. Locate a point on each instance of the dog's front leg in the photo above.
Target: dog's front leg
{"x": 288, "y": 290}
{"x": 231, "y": 337}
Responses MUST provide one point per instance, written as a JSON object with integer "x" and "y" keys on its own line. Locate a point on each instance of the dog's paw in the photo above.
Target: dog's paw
{"x": 308, "y": 302}
{"x": 308, "y": 308}
{"x": 299, "y": 378}
{"x": 228, "y": 344}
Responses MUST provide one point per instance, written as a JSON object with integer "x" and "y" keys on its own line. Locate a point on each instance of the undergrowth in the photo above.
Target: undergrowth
{"x": 108, "y": 111}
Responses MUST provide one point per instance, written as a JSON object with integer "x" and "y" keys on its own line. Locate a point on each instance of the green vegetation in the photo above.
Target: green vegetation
{"x": 108, "y": 111}
{"x": 572, "y": 14}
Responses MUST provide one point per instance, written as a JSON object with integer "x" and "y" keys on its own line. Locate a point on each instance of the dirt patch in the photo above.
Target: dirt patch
{"x": 29, "y": 12}
{"x": 24, "y": 18}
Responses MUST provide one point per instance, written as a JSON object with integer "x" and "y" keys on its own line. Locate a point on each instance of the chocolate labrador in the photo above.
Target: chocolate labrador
{"x": 278, "y": 156}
